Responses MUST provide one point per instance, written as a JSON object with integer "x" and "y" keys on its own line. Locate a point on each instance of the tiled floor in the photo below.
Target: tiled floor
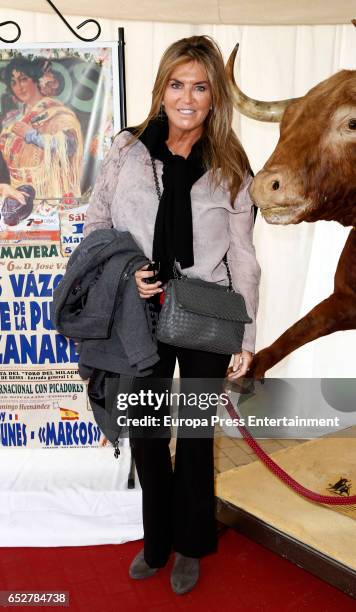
{"x": 232, "y": 452}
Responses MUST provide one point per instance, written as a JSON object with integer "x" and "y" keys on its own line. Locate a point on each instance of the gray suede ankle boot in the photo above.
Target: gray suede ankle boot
{"x": 140, "y": 569}
{"x": 185, "y": 574}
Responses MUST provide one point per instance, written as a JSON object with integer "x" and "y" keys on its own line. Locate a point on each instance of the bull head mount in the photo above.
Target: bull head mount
{"x": 311, "y": 176}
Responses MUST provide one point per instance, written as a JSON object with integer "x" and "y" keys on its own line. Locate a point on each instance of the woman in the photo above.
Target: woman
{"x": 205, "y": 211}
{"x": 41, "y": 141}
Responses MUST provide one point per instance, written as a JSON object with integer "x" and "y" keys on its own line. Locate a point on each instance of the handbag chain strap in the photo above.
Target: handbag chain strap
{"x": 176, "y": 273}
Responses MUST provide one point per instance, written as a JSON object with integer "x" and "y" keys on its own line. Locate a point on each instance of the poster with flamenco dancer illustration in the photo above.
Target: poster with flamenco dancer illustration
{"x": 59, "y": 110}
{"x": 57, "y": 118}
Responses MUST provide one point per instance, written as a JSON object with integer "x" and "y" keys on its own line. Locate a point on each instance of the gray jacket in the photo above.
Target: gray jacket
{"x": 97, "y": 303}
{"x": 124, "y": 197}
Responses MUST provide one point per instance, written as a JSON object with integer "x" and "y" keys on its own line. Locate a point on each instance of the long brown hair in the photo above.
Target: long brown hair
{"x": 222, "y": 150}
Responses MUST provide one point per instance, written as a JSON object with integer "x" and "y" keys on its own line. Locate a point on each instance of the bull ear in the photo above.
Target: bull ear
{"x": 256, "y": 109}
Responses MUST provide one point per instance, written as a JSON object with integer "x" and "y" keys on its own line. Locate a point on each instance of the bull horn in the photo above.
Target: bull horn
{"x": 256, "y": 109}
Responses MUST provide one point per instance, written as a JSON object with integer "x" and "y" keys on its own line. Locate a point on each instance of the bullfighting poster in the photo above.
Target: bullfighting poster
{"x": 59, "y": 110}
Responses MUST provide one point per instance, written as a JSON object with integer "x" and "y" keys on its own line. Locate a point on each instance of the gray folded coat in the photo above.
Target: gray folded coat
{"x": 97, "y": 304}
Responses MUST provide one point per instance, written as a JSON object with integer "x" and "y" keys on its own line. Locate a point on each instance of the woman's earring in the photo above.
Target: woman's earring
{"x": 161, "y": 112}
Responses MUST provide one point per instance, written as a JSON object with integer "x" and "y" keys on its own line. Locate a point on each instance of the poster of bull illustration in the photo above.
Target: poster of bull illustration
{"x": 310, "y": 176}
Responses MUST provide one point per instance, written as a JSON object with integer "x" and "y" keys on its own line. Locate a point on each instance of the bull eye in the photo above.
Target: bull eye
{"x": 275, "y": 185}
{"x": 352, "y": 124}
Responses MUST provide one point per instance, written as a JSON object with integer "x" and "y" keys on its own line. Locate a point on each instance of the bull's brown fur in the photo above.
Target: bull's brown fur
{"x": 327, "y": 177}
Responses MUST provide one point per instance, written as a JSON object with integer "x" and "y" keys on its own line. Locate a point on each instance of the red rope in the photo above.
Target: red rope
{"x": 286, "y": 478}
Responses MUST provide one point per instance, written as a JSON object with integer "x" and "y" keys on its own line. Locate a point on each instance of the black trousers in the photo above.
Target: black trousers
{"x": 178, "y": 506}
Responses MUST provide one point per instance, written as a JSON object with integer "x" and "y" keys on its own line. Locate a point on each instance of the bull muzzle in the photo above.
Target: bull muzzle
{"x": 279, "y": 195}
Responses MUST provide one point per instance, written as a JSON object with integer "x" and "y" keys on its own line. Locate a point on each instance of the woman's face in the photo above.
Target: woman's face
{"x": 23, "y": 87}
{"x": 187, "y": 99}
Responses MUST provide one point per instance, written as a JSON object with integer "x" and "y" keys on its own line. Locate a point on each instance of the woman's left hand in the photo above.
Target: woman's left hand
{"x": 241, "y": 364}
{"x": 20, "y": 128}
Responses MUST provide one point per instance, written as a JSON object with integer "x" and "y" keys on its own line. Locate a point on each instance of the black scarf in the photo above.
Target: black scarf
{"x": 173, "y": 232}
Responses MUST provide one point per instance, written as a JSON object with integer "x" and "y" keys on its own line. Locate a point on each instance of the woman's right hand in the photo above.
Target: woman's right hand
{"x": 6, "y": 191}
{"x": 146, "y": 290}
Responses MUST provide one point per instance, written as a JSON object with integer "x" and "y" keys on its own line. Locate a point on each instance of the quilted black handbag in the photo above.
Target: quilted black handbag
{"x": 201, "y": 315}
